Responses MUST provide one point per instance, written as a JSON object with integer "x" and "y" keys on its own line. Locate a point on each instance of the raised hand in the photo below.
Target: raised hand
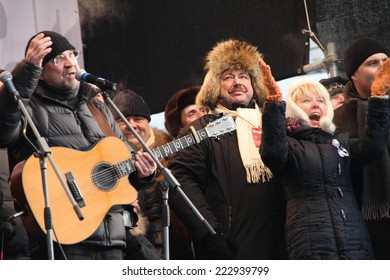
{"x": 274, "y": 92}
{"x": 381, "y": 84}
{"x": 38, "y": 48}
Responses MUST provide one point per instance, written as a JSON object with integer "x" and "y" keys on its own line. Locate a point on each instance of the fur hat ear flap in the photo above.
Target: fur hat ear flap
{"x": 294, "y": 111}
{"x": 209, "y": 92}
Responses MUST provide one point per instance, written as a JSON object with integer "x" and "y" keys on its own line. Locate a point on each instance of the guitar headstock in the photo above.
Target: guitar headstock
{"x": 221, "y": 126}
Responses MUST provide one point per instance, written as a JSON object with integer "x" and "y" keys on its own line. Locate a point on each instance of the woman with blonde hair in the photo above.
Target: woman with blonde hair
{"x": 301, "y": 144}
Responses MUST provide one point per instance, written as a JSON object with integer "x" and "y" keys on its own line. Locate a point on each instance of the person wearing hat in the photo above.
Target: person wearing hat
{"x": 335, "y": 87}
{"x": 137, "y": 113}
{"x": 226, "y": 179}
{"x": 181, "y": 110}
{"x": 59, "y": 107}
{"x": 363, "y": 59}
{"x": 313, "y": 159}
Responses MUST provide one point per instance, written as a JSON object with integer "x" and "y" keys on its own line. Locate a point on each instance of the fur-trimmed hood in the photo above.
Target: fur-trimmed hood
{"x": 293, "y": 111}
{"x": 230, "y": 54}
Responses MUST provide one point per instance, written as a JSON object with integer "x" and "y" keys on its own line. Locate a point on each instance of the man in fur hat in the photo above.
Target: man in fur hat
{"x": 181, "y": 110}
{"x": 60, "y": 108}
{"x": 363, "y": 59}
{"x": 226, "y": 180}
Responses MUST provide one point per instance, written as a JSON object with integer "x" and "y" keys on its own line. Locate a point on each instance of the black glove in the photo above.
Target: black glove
{"x": 139, "y": 248}
{"x": 132, "y": 244}
{"x": 215, "y": 247}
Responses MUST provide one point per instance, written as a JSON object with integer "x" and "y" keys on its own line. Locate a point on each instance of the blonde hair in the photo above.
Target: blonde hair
{"x": 300, "y": 87}
{"x": 305, "y": 88}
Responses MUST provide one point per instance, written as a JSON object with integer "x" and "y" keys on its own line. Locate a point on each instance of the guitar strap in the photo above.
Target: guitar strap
{"x": 100, "y": 119}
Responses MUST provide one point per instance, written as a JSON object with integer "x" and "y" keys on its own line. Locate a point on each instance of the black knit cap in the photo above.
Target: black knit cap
{"x": 176, "y": 103}
{"x": 60, "y": 44}
{"x": 131, "y": 104}
{"x": 358, "y": 52}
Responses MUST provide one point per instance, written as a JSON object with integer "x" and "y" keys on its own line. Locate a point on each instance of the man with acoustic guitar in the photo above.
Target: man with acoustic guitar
{"x": 61, "y": 108}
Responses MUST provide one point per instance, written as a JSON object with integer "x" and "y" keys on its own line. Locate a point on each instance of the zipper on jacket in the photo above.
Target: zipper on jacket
{"x": 229, "y": 218}
{"x": 76, "y": 117}
{"x": 107, "y": 231}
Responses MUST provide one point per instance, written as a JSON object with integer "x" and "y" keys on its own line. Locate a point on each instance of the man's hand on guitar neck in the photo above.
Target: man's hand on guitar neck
{"x": 144, "y": 164}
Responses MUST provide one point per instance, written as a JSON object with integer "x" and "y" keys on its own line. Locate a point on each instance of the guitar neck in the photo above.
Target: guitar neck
{"x": 127, "y": 167}
{"x": 179, "y": 144}
{"x": 213, "y": 129}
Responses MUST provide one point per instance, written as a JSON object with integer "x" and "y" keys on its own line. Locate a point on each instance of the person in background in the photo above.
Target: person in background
{"x": 58, "y": 105}
{"x": 335, "y": 87}
{"x": 15, "y": 241}
{"x": 226, "y": 180}
{"x": 362, "y": 60}
{"x": 181, "y": 110}
{"x": 323, "y": 220}
{"x": 137, "y": 113}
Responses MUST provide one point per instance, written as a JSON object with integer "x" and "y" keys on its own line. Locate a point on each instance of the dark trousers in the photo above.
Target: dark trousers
{"x": 380, "y": 237}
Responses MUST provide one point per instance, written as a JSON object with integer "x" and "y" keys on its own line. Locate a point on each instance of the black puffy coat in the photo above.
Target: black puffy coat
{"x": 64, "y": 124}
{"x": 323, "y": 220}
{"x": 212, "y": 175}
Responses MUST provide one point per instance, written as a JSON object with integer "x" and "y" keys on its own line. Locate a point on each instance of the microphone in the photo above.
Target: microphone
{"x": 103, "y": 84}
{"x": 6, "y": 78}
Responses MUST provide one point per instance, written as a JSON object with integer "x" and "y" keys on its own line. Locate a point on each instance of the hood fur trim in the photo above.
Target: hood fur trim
{"x": 293, "y": 111}
{"x": 230, "y": 54}
{"x": 142, "y": 225}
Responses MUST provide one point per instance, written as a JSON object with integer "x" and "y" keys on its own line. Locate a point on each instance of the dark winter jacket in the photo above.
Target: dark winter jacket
{"x": 372, "y": 183}
{"x": 151, "y": 202}
{"x": 212, "y": 176}
{"x": 15, "y": 236}
{"x": 65, "y": 124}
{"x": 323, "y": 220}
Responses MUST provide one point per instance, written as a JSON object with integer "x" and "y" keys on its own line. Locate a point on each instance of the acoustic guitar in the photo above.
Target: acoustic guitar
{"x": 97, "y": 180}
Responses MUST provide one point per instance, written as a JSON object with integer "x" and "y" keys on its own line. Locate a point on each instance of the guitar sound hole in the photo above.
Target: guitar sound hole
{"x": 104, "y": 176}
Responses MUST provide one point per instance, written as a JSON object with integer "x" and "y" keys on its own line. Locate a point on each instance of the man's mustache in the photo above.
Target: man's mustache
{"x": 237, "y": 88}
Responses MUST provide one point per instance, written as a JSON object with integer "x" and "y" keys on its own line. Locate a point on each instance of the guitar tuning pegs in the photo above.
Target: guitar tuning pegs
{"x": 216, "y": 139}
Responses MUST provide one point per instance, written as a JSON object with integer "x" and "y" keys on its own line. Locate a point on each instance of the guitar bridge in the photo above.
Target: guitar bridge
{"x": 74, "y": 189}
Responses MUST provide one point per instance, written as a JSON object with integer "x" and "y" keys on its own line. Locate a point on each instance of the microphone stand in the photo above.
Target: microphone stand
{"x": 43, "y": 153}
{"x": 170, "y": 181}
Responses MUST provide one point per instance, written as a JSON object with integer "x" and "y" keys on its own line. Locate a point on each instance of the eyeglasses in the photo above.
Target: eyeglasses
{"x": 59, "y": 59}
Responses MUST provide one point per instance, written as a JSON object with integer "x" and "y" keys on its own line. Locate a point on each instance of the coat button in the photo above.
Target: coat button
{"x": 340, "y": 192}
{"x": 343, "y": 214}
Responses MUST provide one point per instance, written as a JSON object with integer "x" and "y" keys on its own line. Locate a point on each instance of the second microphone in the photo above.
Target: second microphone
{"x": 102, "y": 83}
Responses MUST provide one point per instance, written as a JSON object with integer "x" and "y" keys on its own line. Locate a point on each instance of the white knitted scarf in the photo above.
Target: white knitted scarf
{"x": 246, "y": 120}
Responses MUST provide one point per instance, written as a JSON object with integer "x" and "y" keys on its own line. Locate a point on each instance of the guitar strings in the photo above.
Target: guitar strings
{"x": 103, "y": 178}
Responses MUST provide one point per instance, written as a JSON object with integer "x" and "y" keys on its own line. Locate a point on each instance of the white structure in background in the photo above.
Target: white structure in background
{"x": 316, "y": 55}
{"x": 63, "y": 17}
{"x": 21, "y": 19}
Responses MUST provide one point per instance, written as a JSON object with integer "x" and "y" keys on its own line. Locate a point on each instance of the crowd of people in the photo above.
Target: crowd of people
{"x": 300, "y": 178}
